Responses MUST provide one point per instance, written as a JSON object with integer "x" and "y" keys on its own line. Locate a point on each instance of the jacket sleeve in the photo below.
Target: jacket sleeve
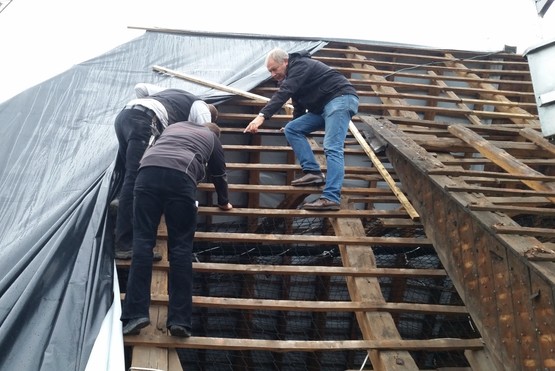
{"x": 217, "y": 171}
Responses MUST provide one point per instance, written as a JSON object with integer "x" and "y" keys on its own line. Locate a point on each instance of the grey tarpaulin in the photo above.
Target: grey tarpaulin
{"x": 58, "y": 174}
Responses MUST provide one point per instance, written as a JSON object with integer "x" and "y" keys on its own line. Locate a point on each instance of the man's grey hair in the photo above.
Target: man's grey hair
{"x": 278, "y": 55}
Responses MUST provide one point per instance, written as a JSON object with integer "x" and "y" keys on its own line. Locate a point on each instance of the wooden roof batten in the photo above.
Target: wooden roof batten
{"x": 502, "y": 270}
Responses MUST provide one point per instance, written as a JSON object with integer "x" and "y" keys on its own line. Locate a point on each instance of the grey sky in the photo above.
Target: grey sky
{"x": 41, "y": 39}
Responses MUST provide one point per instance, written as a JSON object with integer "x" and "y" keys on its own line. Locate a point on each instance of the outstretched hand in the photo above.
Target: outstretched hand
{"x": 253, "y": 126}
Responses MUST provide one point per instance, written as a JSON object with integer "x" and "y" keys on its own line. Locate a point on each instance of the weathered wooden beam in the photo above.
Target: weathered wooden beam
{"x": 502, "y": 159}
{"x": 149, "y": 356}
{"x": 305, "y": 239}
{"x": 511, "y": 210}
{"x": 227, "y": 344}
{"x": 524, "y": 175}
{"x": 316, "y": 306}
{"x": 384, "y": 173}
{"x": 300, "y": 270}
{"x": 301, "y": 213}
{"x": 291, "y": 189}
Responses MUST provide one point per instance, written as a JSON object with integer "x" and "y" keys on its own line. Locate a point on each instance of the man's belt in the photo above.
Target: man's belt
{"x": 150, "y": 113}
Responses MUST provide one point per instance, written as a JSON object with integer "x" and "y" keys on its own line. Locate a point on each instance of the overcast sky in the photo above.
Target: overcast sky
{"x": 40, "y": 39}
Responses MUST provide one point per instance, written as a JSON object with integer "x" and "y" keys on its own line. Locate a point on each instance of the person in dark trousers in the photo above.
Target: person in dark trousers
{"x": 323, "y": 99}
{"x": 166, "y": 184}
{"x": 138, "y": 122}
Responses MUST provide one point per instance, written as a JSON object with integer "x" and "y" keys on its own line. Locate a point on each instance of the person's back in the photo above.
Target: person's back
{"x": 313, "y": 84}
{"x": 178, "y": 104}
{"x": 186, "y": 147}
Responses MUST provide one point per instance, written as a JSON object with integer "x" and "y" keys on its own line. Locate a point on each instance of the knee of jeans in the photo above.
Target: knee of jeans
{"x": 287, "y": 130}
{"x": 333, "y": 150}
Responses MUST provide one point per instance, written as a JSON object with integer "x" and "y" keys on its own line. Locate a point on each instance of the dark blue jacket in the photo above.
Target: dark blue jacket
{"x": 310, "y": 84}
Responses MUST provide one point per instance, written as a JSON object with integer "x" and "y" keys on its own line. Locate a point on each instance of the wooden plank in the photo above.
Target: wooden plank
{"x": 498, "y": 129}
{"x": 146, "y": 356}
{"x": 446, "y": 111}
{"x": 519, "y": 200}
{"x": 399, "y": 223}
{"x": 316, "y": 270}
{"x": 287, "y": 106}
{"x": 384, "y": 173}
{"x": 269, "y": 148}
{"x": 227, "y": 344}
{"x": 538, "y": 139}
{"x": 523, "y": 307}
{"x": 249, "y": 188}
{"x": 374, "y": 326}
{"x": 524, "y": 231}
{"x": 316, "y": 306}
{"x": 214, "y": 85}
{"x": 479, "y": 291}
{"x": 485, "y": 161}
{"x": 542, "y": 298}
{"x": 349, "y": 170}
{"x": 481, "y": 173}
{"x": 305, "y": 239}
{"x": 502, "y": 159}
{"x": 512, "y": 210}
{"x": 300, "y": 270}
{"x": 481, "y": 361}
{"x": 298, "y": 213}
{"x": 504, "y": 302}
{"x": 174, "y": 364}
{"x": 494, "y": 190}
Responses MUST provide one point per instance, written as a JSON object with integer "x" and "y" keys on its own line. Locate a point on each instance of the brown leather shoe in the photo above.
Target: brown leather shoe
{"x": 309, "y": 179}
{"x": 322, "y": 204}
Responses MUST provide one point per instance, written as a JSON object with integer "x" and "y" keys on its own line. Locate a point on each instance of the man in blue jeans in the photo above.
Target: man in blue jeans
{"x": 167, "y": 184}
{"x": 323, "y": 99}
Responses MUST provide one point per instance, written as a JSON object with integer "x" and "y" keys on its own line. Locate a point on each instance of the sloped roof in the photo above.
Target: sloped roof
{"x": 59, "y": 152}
{"x": 461, "y": 139}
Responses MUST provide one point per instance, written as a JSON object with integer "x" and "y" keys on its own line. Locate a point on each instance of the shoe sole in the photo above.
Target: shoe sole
{"x": 324, "y": 208}
{"x": 181, "y": 333}
{"x": 307, "y": 184}
{"x": 137, "y": 329}
{"x": 156, "y": 257}
{"x": 124, "y": 257}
